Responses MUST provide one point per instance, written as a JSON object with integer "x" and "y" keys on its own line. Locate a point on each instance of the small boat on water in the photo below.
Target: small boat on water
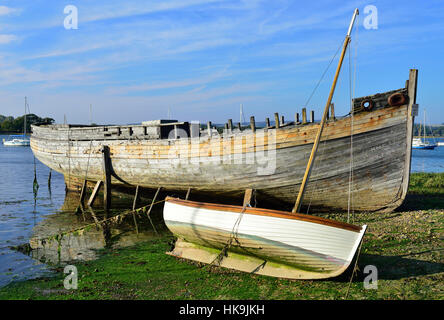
{"x": 419, "y": 143}
{"x": 262, "y": 241}
{"x": 18, "y": 140}
{"x": 423, "y": 143}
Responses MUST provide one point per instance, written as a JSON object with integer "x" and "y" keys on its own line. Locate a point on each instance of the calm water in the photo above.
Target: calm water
{"x": 24, "y": 217}
{"x": 20, "y": 212}
{"x": 428, "y": 160}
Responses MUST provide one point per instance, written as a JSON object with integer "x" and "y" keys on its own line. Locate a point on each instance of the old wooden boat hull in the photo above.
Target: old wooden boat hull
{"x": 266, "y": 242}
{"x": 377, "y": 141}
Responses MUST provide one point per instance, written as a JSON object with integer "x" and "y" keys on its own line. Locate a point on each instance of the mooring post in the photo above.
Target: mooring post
{"x": 239, "y": 126}
{"x": 230, "y": 125}
{"x": 107, "y": 177}
{"x": 267, "y": 122}
{"x": 282, "y": 120}
{"x": 312, "y": 116}
{"x": 296, "y": 118}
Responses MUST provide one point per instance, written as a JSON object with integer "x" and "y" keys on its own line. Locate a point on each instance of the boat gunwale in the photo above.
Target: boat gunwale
{"x": 265, "y": 212}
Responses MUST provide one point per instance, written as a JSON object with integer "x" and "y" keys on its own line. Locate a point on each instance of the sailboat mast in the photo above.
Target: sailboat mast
{"x": 24, "y": 127}
{"x": 298, "y": 203}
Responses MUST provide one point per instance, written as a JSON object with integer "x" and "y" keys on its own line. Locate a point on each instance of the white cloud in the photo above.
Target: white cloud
{"x": 7, "y": 38}
{"x": 6, "y": 10}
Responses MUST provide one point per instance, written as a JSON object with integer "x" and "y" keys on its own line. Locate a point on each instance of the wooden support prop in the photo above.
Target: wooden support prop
{"x": 267, "y": 122}
{"x": 332, "y": 111}
{"x": 282, "y": 120}
{"x": 188, "y": 194}
{"x": 252, "y": 124}
{"x": 136, "y": 198}
{"x": 152, "y": 202}
{"x": 296, "y": 117}
{"x": 247, "y": 197}
{"x": 83, "y": 192}
{"x": 312, "y": 116}
{"x": 276, "y": 120}
{"x": 209, "y": 128}
{"x": 93, "y": 196}
{"x": 304, "y": 116}
{"x": 230, "y": 124}
{"x": 107, "y": 177}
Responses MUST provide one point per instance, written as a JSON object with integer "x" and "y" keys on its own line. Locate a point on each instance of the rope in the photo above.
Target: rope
{"x": 233, "y": 236}
{"x": 354, "y": 268}
{"x": 322, "y": 77}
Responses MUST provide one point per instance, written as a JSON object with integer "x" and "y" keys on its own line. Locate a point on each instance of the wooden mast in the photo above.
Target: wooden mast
{"x": 297, "y": 206}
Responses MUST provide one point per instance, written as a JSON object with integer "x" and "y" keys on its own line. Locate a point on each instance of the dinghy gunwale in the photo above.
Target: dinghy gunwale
{"x": 266, "y": 212}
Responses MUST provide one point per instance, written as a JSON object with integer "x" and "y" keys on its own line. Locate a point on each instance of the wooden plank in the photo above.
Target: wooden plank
{"x": 93, "y": 196}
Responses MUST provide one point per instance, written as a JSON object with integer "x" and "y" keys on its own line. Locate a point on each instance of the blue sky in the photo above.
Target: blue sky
{"x": 132, "y": 60}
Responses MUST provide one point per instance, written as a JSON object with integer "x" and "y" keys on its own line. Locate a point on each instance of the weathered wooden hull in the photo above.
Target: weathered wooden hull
{"x": 265, "y": 242}
{"x": 378, "y": 143}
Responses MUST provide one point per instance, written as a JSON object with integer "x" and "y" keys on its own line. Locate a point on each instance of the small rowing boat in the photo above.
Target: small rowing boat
{"x": 262, "y": 241}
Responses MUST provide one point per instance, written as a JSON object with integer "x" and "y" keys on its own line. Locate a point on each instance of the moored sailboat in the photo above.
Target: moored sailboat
{"x": 18, "y": 140}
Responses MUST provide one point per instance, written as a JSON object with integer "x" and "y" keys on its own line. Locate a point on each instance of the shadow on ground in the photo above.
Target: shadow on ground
{"x": 414, "y": 202}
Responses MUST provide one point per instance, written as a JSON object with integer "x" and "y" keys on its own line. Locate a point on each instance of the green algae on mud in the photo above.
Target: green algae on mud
{"x": 404, "y": 245}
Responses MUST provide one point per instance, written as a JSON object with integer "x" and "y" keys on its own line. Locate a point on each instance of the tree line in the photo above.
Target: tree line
{"x": 11, "y": 124}
{"x": 436, "y": 131}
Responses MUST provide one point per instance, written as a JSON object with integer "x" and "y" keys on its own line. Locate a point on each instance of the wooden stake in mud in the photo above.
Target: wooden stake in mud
{"x": 107, "y": 177}
{"x": 298, "y": 203}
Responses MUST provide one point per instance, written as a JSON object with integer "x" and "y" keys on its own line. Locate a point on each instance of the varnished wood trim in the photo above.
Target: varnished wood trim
{"x": 265, "y": 212}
